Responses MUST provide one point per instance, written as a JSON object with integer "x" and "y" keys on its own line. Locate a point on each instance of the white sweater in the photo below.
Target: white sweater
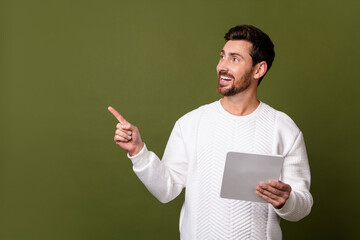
{"x": 194, "y": 158}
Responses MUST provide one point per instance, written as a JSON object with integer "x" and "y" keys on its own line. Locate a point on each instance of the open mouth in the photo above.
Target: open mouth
{"x": 225, "y": 79}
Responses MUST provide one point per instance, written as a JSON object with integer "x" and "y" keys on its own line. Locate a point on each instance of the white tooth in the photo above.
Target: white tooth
{"x": 227, "y": 78}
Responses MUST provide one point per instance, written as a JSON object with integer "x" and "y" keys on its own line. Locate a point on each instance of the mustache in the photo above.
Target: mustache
{"x": 226, "y": 74}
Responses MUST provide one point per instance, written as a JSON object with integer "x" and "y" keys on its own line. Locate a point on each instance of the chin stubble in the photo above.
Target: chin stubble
{"x": 233, "y": 90}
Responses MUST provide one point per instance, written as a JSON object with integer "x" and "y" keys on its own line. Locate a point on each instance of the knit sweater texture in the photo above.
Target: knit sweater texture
{"x": 194, "y": 159}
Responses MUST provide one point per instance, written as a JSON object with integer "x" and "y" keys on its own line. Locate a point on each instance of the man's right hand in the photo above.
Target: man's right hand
{"x": 127, "y": 136}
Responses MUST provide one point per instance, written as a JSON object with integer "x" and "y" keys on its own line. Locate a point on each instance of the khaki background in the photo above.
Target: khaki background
{"x": 63, "y": 62}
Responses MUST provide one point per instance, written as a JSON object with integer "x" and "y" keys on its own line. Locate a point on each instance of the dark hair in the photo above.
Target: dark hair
{"x": 262, "y": 46}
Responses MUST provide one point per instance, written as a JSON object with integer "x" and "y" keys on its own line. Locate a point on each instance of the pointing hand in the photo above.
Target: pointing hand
{"x": 127, "y": 136}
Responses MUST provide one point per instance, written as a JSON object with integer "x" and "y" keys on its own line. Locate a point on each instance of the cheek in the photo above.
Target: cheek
{"x": 236, "y": 74}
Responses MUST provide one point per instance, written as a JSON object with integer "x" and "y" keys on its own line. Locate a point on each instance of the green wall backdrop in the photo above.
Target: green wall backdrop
{"x": 63, "y": 62}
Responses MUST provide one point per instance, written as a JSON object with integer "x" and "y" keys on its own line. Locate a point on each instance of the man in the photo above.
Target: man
{"x": 195, "y": 154}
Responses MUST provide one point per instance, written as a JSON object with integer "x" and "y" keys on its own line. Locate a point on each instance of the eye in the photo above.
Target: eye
{"x": 222, "y": 57}
{"x": 235, "y": 59}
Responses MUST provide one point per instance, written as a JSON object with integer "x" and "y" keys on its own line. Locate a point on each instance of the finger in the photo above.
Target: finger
{"x": 124, "y": 131}
{"x": 268, "y": 188}
{"x": 124, "y": 127}
{"x": 118, "y": 138}
{"x": 123, "y": 134}
{"x": 269, "y": 200}
{"x": 268, "y": 193}
{"x": 117, "y": 115}
{"x": 280, "y": 185}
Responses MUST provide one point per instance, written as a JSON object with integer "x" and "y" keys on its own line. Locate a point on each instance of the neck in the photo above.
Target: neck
{"x": 241, "y": 104}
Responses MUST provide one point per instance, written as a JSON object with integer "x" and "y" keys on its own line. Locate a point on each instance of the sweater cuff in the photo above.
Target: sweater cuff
{"x": 140, "y": 159}
{"x": 288, "y": 207}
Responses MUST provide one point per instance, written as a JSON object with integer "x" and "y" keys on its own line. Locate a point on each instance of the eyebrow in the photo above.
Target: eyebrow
{"x": 233, "y": 54}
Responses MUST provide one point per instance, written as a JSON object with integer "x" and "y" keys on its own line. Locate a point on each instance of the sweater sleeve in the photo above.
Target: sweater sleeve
{"x": 165, "y": 179}
{"x": 296, "y": 173}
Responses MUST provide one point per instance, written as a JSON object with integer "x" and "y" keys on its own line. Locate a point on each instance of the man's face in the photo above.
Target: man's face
{"x": 234, "y": 69}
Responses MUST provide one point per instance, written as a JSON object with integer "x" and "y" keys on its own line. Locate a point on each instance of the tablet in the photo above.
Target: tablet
{"x": 243, "y": 172}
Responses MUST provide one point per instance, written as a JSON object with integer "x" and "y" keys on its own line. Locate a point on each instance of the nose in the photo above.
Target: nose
{"x": 222, "y": 65}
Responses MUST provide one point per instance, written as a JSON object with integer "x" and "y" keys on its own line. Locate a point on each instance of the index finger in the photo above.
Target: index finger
{"x": 117, "y": 115}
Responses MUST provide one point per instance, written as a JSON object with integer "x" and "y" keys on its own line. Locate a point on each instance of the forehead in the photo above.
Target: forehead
{"x": 238, "y": 46}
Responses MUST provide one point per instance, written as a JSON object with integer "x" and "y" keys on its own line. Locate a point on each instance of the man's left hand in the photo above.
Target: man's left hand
{"x": 276, "y": 193}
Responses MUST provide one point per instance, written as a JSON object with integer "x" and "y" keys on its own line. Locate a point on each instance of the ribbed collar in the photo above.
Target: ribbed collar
{"x": 235, "y": 117}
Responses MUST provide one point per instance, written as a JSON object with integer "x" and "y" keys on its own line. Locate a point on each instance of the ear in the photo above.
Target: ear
{"x": 260, "y": 70}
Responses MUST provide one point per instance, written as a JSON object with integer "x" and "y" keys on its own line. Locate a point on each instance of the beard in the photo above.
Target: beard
{"x": 238, "y": 85}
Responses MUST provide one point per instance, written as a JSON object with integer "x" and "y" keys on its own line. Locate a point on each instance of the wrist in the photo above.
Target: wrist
{"x": 136, "y": 150}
